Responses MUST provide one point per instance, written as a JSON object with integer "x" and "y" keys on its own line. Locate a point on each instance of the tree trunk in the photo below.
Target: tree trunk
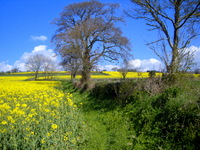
{"x": 73, "y": 75}
{"x": 36, "y": 75}
{"x": 173, "y": 68}
{"x": 175, "y": 54}
{"x": 86, "y": 72}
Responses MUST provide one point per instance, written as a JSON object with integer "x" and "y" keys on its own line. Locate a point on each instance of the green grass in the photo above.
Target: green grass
{"x": 107, "y": 127}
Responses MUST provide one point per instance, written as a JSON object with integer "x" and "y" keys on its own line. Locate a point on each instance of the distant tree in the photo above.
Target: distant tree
{"x": 124, "y": 69}
{"x": 72, "y": 64}
{"x": 178, "y": 24}
{"x": 14, "y": 70}
{"x": 88, "y": 29}
{"x": 38, "y": 62}
{"x": 197, "y": 71}
{"x": 114, "y": 69}
{"x": 48, "y": 67}
{"x": 132, "y": 70}
{"x": 96, "y": 68}
{"x": 152, "y": 73}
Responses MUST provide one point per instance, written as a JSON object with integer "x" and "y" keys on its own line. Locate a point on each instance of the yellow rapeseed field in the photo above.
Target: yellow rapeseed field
{"x": 37, "y": 115}
{"x": 113, "y": 75}
{"x": 116, "y": 74}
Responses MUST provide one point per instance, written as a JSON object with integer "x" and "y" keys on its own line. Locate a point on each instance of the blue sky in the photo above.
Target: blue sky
{"x": 25, "y": 28}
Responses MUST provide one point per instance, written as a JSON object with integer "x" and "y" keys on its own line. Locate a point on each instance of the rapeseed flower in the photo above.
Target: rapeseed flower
{"x": 4, "y": 122}
{"x": 29, "y": 109}
{"x": 54, "y": 126}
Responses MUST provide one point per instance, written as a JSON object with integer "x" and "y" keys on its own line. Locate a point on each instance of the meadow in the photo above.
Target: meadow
{"x": 136, "y": 113}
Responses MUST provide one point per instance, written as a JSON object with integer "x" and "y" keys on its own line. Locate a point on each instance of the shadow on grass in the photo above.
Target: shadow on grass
{"x": 101, "y": 97}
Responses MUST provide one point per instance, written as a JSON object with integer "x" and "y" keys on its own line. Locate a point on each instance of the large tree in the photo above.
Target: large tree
{"x": 88, "y": 29}
{"x": 177, "y": 22}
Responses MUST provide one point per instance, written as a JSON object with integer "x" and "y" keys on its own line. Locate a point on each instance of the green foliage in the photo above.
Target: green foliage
{"x": 152, "y": 74}
{"x": 120, "y": 92}
{"x": 176, "y": 78}
{"x": 170, "y": 119}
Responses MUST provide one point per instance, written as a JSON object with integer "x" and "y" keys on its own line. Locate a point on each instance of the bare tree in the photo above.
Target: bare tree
{"x": 14, "y": 70}
{"x": 124, "y": 69}
{"x": 39, "y": 62}
{"x": 114, "y": 69}
{"x": 177, "y": 22}
{"x": 88, "y": 29}
{"x": 72, "y": 64}
{"x": 48, "y": 67}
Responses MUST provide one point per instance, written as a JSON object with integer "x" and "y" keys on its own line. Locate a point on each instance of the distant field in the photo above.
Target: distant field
{"x": 94, "y": 75}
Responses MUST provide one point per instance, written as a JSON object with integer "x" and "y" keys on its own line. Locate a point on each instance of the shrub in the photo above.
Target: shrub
{"x": 152, "y": 74}
{"x": 166, "y": 120}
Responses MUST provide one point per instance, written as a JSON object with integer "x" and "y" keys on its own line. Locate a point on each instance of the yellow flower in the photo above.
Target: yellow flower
{"x": 24, "y": 105}
{"x": 48, "y": 134}
{"x": 17, "y": 105}
{"x": 4, "y": 122}
{"x": 66, "y": 138}
{"x": 43, "y": 141}
{"x": 54, "y": 126}
{"x": 3, "y": 131}
{"x": 10, "y": 118}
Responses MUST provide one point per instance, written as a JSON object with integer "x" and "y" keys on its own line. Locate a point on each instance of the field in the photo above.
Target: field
{"x": 126, "y": 114}
{"x": 37, "y": 114}
{"x": 94, "y": 75}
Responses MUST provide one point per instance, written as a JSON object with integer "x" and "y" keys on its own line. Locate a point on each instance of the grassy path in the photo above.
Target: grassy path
{"x": 107, "y": 129}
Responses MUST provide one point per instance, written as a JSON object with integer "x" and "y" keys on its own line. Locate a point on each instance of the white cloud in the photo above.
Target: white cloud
{"x": 41, "y": 49}
{"x": 5, "y": 67}
{"x": 196, "y": 51}
{"x": 109, "y": 67}
{"x": 140, "y": 65}
{"x": 146, "y": 64}
{"x": 154, "y": 64}
{"x": 39, "y": 38}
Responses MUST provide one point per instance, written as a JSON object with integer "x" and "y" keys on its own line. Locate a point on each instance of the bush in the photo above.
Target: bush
{"x": 120, "y": 91}
{"x": 166, "y": 120}
{"x": 176, "y": 78}
{"x": 152, "y": 74}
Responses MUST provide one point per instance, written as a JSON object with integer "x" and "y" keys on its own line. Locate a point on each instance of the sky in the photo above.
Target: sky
{"x": 26, "y": 29}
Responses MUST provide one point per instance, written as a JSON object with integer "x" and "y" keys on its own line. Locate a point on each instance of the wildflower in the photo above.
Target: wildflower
{"x": 24, "y": 105}
{"x": 10, "y": 118}
{"x": 17, "y": 105}
{"x": 4, "y": 122}
{"x": 3, "y": 131}
{"x": 66, "y": 138}
{"x": 54, "y": 126}
{"x": 43, "y": 141}
{"x": 48, "y": 134}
